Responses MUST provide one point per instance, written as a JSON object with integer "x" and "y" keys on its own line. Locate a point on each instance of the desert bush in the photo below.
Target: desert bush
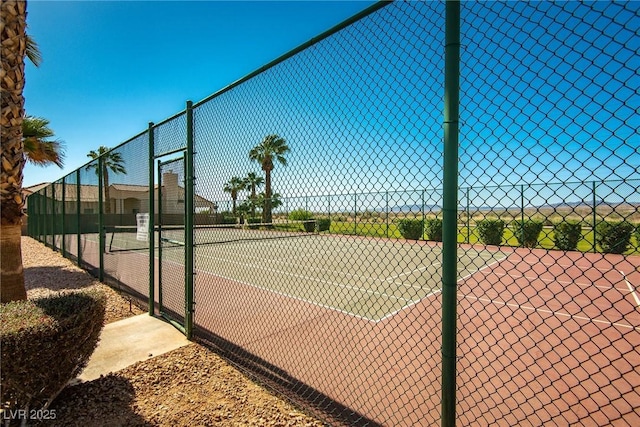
{"x": 527, "y": 232}
{"x": 614, "y": 237}
{"x": 45, "y": 343}
{"x": 490, "y": 231}
{"x": 411, "y": 229}
{"x": 323, "y": 224}
{"x": 566, "y": 235}
{"x": 433, "y": 229}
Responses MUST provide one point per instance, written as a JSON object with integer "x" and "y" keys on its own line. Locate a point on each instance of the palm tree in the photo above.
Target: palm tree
{"x": 33, "y": 52}
{"x": 234, "y": 185}
{"x": 272, "y": 147}
{"x": 37, "y": 149}
{"x": 111, "y": 161}
{"x": 251, "y": 182}
{"x": 13, "y": 15}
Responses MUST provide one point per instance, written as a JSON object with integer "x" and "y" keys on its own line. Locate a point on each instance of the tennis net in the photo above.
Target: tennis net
{"x": 129, "y": 238}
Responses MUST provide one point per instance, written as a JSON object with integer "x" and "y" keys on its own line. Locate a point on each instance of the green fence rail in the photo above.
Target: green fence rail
{"x": 426, "y": 215}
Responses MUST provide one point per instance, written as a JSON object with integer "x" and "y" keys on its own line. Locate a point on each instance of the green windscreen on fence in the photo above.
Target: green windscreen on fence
{"x": 298, "y": 218}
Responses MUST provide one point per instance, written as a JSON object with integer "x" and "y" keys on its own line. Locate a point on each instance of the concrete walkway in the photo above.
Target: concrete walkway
{"x": 128, "y": 341}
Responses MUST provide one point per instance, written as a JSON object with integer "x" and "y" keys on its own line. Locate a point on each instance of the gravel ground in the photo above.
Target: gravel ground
{"x": 186, "y": 387}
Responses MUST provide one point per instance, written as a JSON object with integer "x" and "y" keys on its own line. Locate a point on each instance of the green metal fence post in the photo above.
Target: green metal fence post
{"x": 355, "y": 213}
{"x": 101, "y": 239}
{"x": 595, "y": 205}
{"x": 45, "y": 218}
{"x": 521, "y": 231}
{"x": 53, "y": 216}
{"x": 468, "y": 218}
{"x": 329, "y": 210}
{"x": 189, "y": 190}
{"x": 450, "y": 185}
{"x": 159, "y": 169}
{"x": 64, "y": 220}
{"x": 386, "y": 211}
{"x": 151, "y": 223}
{"x": 78, "y": 211}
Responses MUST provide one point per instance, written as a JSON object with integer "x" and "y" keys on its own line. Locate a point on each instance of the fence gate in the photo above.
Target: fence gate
{"x": 171, "y": 240}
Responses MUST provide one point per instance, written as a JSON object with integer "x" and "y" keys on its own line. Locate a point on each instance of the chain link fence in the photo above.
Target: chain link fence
{"x": 295, "y": 220}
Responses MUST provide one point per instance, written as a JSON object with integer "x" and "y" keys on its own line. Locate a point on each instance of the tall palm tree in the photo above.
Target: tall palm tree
{"x": 13, "y": 15}
{"x": 37, "y": 148}
{"x": 111, "y": 161}
{"x": 232, "y": 187}
{"x": 252, "y": 181}
{"x": 272, "y": 147}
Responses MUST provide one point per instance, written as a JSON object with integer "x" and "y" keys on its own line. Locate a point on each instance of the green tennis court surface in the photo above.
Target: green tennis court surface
{"x": 367, "y": 278}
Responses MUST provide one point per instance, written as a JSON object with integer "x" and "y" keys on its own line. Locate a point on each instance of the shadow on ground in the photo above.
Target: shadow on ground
{"x": 107, "y": 401}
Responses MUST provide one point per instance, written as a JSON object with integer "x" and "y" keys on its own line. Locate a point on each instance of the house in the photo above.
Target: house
{"x": 125, "y": 200}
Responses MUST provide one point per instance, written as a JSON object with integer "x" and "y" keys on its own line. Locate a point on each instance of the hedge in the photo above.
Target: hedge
{"x": 527, "y": 232}
{"x": 490, "y": 231}
{"x": 567, "y": 234}
{"x": 411, "y": 229}
{"x": 614, "y": 237}
{"x": 433, "y": 229}
{"x": 45, "y": 343}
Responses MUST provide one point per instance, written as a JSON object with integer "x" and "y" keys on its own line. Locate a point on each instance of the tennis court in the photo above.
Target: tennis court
{"x": 370, "y": 278}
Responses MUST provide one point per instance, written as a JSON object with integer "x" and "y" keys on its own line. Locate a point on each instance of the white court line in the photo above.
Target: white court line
{"x": 406, "y": 273}
{"x": 631, "y": 288}
{"x": 555, "y": 313}
{"x": 562, "y": 282}
{"x": 286, "y": 262}
{"x": 299, "y": 276}
{"x": 393, "y": 313}
{"x": 551, "y": 264}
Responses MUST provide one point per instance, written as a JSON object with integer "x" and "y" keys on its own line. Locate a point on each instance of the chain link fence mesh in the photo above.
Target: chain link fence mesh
{"x": 318, "y": 208}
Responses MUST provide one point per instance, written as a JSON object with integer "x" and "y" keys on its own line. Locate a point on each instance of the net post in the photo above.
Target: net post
{"x": 101, "y": 217}
{"x": 78, "y": 211}
{"x": 450, "y": 185}
{"x": 151, "y": 224}
{"x": 189, "y": 190}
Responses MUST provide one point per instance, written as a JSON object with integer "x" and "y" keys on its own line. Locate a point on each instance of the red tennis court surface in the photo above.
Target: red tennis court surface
{"x": 544, "y": 338}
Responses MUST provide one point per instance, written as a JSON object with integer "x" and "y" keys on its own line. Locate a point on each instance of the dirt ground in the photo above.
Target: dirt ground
{"x": 186, "y": 387}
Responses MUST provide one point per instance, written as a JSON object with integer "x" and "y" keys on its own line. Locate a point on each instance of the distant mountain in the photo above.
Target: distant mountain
{"x": 416, "y": 208}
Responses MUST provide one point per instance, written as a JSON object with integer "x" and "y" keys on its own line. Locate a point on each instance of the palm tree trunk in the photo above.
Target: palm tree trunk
{"x": 267, "y": 197}
{"x": 13, "y": 15}
{"x": 12, "y": 279}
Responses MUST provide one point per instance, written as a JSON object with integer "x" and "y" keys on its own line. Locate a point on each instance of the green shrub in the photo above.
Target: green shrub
{"x": 433, "y": 229}
{"x": 226, "y": 218}
{"x": 411, "y": 229}
{"x": 637, "y": 234}
{"x": 614, "y": 237}
{"x": 323, "y": 224}
{"x": 527, "y": 232}
{"x": 300, "y": 215}
{"x": 45, "y": 343}
{"x": 566, "y": 235}
{"x": 490, "y": 231}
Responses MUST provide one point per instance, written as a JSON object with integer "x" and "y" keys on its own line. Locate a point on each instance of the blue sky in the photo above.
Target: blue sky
{"x": 548, "y": 94}
{"x": 109, "y": 67}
